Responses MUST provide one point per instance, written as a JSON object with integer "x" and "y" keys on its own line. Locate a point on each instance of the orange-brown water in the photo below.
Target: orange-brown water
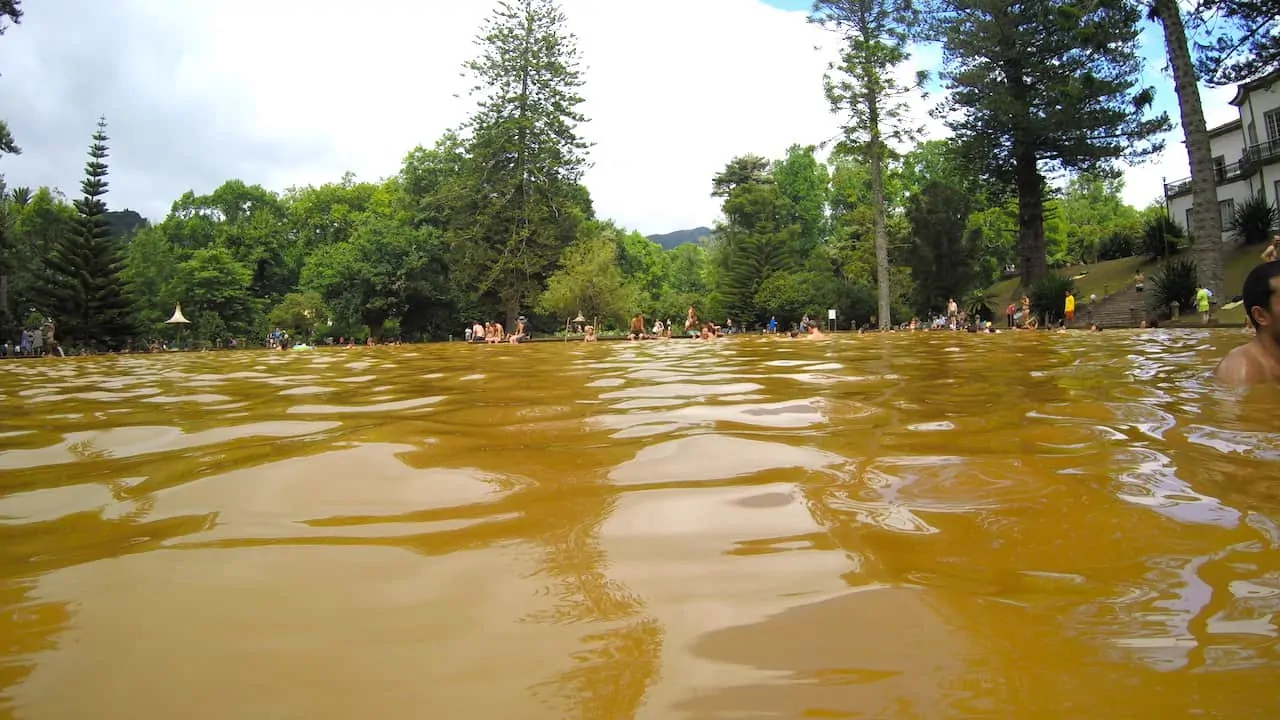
{"x": 930, "y": 525}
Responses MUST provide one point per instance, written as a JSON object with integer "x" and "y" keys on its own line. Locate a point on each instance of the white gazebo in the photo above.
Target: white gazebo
{"x": 178, "y": 319}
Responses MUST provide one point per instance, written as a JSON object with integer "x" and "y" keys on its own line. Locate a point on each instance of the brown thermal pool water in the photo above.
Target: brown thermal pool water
{"x": 930, "y": 525}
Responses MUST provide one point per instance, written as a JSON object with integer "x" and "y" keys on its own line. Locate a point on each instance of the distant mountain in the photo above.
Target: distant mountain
{"x": 680, "y": 237}
{"x": 124, "y": 222}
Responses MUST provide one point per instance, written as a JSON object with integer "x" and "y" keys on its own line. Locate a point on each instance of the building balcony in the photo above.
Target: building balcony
{"x": 1222, "y": 174}
{"x": 1264, "y": 153}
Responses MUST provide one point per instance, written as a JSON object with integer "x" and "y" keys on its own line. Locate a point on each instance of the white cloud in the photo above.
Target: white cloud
{"x": 674, "y": 90}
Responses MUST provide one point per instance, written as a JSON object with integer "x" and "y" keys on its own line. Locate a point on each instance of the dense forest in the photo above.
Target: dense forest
{"x": 492, "y": 220}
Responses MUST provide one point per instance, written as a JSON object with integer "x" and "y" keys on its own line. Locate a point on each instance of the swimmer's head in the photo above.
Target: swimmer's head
{"x": 1261, "y": 297}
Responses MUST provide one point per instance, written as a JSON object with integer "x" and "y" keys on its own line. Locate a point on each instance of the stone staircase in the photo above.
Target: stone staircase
{"x": 1122, "y": 309}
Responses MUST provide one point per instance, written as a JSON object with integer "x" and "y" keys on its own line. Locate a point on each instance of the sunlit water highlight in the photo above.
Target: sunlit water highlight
{"x": 927, "y": 525}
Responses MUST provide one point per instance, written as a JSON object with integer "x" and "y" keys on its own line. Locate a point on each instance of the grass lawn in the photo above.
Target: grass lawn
{"x": 1236, "y": 264}
{"x": 1102, "y": 279}
{"x": 1107, "y": 277}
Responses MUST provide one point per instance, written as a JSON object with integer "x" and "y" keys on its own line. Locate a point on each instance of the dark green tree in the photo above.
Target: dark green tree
{"x": 805, "y": 184}
{"x": 861, "y": 87}
{"x": 1044, "y": 86}
{"x": 517, "y": 201}
{"x": 943, "y": 253}
{"x": 10, "y": 10}
{"x": 82, "y": 289}
{"x": 1244, "y": 43}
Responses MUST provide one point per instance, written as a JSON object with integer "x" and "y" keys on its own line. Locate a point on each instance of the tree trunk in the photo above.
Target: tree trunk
{"x": 881, "y": 235}
{"x": 1205, "y": 231}
{"x": 1030, "y": 218}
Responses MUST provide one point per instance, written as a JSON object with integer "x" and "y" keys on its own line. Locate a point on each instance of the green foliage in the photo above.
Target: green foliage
{"x": 978, "y": 305}
{"x": 803, "y": 182}
{"x": 590, "y": 282}
{"x": 1176, "y": 282}
{"x": 942, "y": 255}
{"x": 1244, "y": 43}
{"x": 82, "y": 289}
{"x": 388, "y": 271}
{"x": 1162, "y": 237}
{"x": 1048, "y": 87}
{"x": 515, "y": 203}
{"x": 1049, "y": 295}
{"x": 213, "y": 288}
{"x": 299, "y": 314}
{"x": 1253, "y": 221}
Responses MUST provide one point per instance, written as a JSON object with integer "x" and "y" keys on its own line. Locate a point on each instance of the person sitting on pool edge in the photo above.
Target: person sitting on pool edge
{"x": 1258, "y": 361}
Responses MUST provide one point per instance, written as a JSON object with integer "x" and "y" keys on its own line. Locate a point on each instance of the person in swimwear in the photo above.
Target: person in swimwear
{"x": 589, "y": 334}
{"x": 1269, "y": 254}
{"x": 637, "y": 328}
{"x": 815, "y": 333}
{"x": 1257, "y": 361}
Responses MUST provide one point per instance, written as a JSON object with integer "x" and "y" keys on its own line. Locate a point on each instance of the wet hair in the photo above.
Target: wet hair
{"x": 1257, "y": 290}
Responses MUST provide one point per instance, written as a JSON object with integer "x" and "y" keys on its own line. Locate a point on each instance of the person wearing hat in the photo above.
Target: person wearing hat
{"x": 521, "y": 332}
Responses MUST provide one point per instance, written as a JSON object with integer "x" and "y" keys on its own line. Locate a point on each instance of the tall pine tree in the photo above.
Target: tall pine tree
{"x": 1044, "y": 86}
{"x": 83, "y": 290}
{"x": 520, "y": 200}
{"x": 862, "y": 86}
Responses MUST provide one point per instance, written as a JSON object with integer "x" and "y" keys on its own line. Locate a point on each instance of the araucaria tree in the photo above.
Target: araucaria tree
{"x": 1245, "y": 43}
{"x": 1044, "y": 86}
{"x": 862, "y": 87}
{"x": 521, "y": 201}
{"x": 1205, "y": 231}
{"x": 82, "y": 290}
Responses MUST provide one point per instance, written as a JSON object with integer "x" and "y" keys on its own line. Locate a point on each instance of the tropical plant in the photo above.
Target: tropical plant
{"x": 1252, "y": 221}
{"x": 1048, "y": 296}
{"x": 1176, "y": 282}
{"x": 978, "y": 305}
{"x": 1162, "y": 237}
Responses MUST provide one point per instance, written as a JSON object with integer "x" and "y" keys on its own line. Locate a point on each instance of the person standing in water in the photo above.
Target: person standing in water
{"x": 1257, "y": 361}
{"x": 1271, "y": 252}
{"x": 1069, "y": 310}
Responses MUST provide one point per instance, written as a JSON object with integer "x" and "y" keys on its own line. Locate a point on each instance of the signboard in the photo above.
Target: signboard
{"x": 831, "y": 314}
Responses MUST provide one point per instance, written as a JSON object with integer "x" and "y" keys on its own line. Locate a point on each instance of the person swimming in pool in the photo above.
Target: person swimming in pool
{"x": 1257, "y": 361}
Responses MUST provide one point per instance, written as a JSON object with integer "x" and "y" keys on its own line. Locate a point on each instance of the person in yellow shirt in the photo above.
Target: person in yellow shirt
{"x": 1070, "y": 308}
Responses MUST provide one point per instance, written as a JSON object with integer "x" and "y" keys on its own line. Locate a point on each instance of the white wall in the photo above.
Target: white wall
{"x": 1257, "y": 104}
{"x": 1237, "y": 192}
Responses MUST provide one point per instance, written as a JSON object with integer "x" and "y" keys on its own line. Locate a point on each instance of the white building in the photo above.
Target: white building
{"x": 1246, "y": 155}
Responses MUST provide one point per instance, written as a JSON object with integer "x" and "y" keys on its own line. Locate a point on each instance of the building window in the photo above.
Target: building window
{"x": 1187, "y": 227}
{"x": 1226, "y": 211}
{"x": 1220, "y": 168}
{"x": 1275, "y": 196}
{"x": 1272, "y": 121}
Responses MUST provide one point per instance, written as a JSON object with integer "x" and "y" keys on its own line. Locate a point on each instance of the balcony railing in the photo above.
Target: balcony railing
{"x": 1253, "y": 158}
{"x": 1261, "y": 154}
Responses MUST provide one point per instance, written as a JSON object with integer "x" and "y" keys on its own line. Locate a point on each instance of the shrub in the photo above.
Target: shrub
{"x": 1162, "y": 236}
{"x": 978, "y": 305}
{"x": 1176, "y": 282}
{"x": 1252, "y": 221}
{"x": 1048, "y": 295}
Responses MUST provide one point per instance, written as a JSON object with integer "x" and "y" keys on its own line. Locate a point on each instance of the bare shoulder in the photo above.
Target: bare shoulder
{"x": 1243, "y": 366}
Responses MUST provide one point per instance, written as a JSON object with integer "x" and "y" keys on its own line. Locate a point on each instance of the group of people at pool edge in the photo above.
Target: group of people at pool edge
{"x": 1256, "y": 362}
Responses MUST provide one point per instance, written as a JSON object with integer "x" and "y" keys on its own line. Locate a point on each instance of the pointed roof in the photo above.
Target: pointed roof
{"x": 177, "y": 316}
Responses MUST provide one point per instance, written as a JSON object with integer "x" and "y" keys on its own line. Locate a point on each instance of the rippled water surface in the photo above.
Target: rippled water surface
{"x": 928, "y": 525}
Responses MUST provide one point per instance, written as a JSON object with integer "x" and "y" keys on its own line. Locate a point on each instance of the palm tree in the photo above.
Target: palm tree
{"x": 1205, "y": 230}
{"x": 20, "y": 196}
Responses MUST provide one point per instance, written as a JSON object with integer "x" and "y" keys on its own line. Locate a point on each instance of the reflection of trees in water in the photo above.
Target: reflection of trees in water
{"x": 27, "y": 628}
{"x": 610, "y": 678}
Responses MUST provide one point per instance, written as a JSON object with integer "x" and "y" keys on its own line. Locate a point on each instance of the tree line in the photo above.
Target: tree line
{"x": 492, "y": 221}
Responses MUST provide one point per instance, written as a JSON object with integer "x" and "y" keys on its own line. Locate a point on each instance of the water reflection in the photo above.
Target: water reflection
{"x": 903, "y": 526}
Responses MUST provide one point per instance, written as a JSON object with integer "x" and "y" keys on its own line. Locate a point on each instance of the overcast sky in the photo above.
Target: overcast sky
{"x": 295, "y": 92}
